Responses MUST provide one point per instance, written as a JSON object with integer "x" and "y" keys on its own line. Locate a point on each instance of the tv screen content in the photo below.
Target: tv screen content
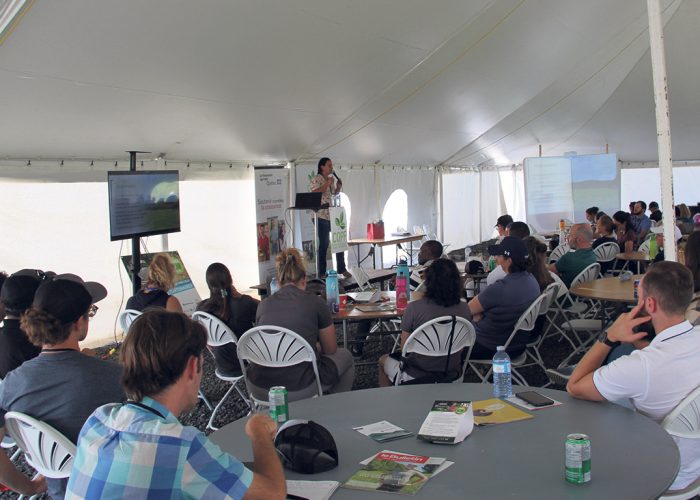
{"x": 143, "y": 203}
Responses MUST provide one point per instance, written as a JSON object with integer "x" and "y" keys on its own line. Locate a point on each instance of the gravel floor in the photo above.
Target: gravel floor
{"x": 365, "y": 377}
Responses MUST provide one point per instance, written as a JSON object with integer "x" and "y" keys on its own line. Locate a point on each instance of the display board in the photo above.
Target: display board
{"x": 563, "y": 187}
{"x": 271, "y": 202}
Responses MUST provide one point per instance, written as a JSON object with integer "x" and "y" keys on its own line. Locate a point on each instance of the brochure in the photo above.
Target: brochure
{"x": 444, "y": 465}
{"x": 395, "y": 472}
{"x": 383, "y": 431}
{"x": 448, "y": 422}
{"x": 312, "y": 490}
{"x": 496, "y": 411}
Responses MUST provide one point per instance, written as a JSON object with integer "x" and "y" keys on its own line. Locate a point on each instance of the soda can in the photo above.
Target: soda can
{"x": 636, "y": 289}
{"x": 578, "y": 458}
{"x": 279, "y": 407}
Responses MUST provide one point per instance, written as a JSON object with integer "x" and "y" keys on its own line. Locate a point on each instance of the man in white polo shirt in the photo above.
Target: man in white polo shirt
{"x": 655, "y": 378}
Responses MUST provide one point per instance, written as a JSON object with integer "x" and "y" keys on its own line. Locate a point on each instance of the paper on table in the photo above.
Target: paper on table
{"x": 448, "y": 422}
{"x": 517, "y": 401}
{"x": 383, "y": 431}
{"x": 313, "y": 490}
{"x": 444, "y": 465}
{"x": 495, "y": 411}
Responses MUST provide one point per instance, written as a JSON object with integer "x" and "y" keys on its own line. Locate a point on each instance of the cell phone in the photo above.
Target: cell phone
{"x": 535, "y": 398}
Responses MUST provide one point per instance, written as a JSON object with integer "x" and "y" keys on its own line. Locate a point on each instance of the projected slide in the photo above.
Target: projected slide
{"x": 143, "y": 203}
{"x": 562, "y": 187}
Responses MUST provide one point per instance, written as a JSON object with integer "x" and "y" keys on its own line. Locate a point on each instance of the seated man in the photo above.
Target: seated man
{"x": 517, "y": 229}
{"x": 656, "y": 378}
{"x": 502, "y": 226}
{"x": 442, "y": 298}
{"x": 16, "y": 296}
{"x": 572, "y": 263}
{"x": 497, "y": 309}
{"x": 61, "y": 386}
{"x": 140, "y": 450}
{"x": 640, "y": 222}
{"x": 429, "y": 252}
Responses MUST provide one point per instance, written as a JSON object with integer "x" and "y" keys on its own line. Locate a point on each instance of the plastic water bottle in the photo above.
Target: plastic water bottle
{"x": 402, "y": 289}
{"x": 502, "y": 384}
{"x": 332, "y": 291}
{"x": 274, "y": 286}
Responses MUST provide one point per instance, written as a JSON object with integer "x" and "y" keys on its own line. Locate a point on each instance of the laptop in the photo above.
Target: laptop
{"x": 368, "y": 297}
{"x": 308, "y": 201}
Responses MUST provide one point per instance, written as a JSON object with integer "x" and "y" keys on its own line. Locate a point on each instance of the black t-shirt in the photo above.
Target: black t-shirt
{"x": 143, "y": 300}
{"x": 15, "y": 347}
{"x": 242, "y": 318}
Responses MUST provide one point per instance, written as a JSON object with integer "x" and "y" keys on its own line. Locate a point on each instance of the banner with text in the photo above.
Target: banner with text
{"x": 339, "y": 230}
{"x": 271, "y": 202}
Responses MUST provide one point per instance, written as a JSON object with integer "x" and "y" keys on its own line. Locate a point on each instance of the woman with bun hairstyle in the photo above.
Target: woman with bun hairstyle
{"x": 231, "y": 307}
{"x": 154, "y": 293}
{"x": 308, "y": 315}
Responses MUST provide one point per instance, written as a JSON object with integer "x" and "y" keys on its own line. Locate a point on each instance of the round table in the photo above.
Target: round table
{"x": 608, "y": 289}
{"x": 632, "y": 456}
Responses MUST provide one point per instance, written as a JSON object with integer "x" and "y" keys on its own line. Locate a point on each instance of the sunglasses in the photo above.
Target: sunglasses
{"x": 92, "y": 311}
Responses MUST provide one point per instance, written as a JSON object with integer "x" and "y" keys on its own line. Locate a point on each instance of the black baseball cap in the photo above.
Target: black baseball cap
{"x": 67, "y": 297}
{"x": 510, "y": 247}
{"x": 306, "y": 447}
{"x": 18, "y": 292}
{"x": 504, "y": 220}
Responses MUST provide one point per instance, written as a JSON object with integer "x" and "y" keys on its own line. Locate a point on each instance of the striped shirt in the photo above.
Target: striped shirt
{"x": 140, "y": 450}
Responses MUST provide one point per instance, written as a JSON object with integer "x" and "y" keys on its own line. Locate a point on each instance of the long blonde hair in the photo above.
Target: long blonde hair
{"x": 161, "y": 272}
{"x": 290, "y": 266}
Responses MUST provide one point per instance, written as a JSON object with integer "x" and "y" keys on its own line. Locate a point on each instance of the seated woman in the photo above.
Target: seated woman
{"x": 537, "y": 261}
{"x": 309, "y": 316}
{"x": 692, "y": 261}
{"x": 498, "y": 308}
{"x": 154, "y": 293}
{"x": 231, "y": 307}
{"x": 443, "y": 290}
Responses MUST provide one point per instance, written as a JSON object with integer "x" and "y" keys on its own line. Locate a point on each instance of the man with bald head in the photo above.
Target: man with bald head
{"x": 572, "y": 263}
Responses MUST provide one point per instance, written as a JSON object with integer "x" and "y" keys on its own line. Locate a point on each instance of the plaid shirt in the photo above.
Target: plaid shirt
{"x": 129, "y": 451}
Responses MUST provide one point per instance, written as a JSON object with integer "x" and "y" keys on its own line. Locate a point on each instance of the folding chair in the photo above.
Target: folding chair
{"x": 525, "y": 323}
{"x": 607, "y": 252}
{"x": 7, "y": 441}
{"x": 684, "y": 422}
{"x": 219, "y": 334}
{"x": 558, "y": 252}
{"x": 126, "y": 318}
{"x": 48, "y": 451}
{"x": 433, "y": 339}
{"x": 275, "y": 347}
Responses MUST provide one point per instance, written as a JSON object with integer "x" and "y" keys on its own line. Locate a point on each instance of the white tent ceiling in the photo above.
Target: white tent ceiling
{"x": 363, "y": 81}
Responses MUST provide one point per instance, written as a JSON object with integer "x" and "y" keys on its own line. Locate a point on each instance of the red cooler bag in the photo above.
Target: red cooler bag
{"x": 375, "y": 231}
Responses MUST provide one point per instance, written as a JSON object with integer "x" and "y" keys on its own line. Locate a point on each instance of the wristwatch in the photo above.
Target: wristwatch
{"x": 605, "y": 340}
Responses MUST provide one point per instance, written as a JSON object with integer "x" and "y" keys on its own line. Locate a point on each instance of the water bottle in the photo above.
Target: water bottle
{"x": 402, "y": 289}
{"x": 467, "y": 253}
{"x": 274, "y": 286}
{"x": 502, "y": 384}
{"x": 332, "y": 291}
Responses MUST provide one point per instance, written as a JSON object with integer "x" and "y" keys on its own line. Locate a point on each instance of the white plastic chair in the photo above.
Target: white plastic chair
{"x": 126, "y": 317}
{"x": 361, "y": 278}
{"x": 684, "y": 422}
{"x": 48, "y": 451}
{"x": 7, "y": 441}
{"x": 432, "y": 339}
{"x": 275, "y": 347}
{"x": 557, "y": 253}
{"x": 218, "y": 334}
{"x": 525, "y": 323}
{"x": 644, "y": 247}
{"x": 607, "y": 252}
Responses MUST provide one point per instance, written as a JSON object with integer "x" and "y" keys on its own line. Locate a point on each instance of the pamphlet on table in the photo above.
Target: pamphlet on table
{"x": 496, "y": 411}
{"x": 395, "y": 472}
{"x": 312, "y": 490}
{"x": 383, "y": 431}
{"x": 448, "y": 422}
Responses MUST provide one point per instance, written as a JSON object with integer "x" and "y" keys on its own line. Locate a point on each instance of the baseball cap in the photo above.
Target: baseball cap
{"x": 18, "y": 292}
{"x": 510, "y": 247}
{"x": 659, "y": 229}
{"x": 306, "y": 447}
{"x": 504, "y": 220}
{"x": 67, "y": 297}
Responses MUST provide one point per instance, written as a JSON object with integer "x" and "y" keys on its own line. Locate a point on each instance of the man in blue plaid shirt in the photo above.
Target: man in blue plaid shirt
{"x": 139, "y": 449}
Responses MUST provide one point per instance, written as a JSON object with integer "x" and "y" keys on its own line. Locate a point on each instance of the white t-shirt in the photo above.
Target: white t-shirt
{"x": 497, "y": 274}
{"x": 656, "y": 379}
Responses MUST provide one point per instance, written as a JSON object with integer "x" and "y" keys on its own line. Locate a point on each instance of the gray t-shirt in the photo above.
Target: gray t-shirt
{"x": 303, "y": 313}
{"x": 61, "y": 389}
{"x": 419, "y": 312}
{"x": 503, "y": 303}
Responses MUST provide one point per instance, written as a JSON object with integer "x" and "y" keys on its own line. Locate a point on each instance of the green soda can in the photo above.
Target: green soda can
{"x": 279, "y": 407}
{"x": 578, "y": 458}
{"x": 492, "y": 263}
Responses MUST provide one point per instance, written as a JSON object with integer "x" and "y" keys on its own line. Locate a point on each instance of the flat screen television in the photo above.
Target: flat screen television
{"x": 143, "y": 203}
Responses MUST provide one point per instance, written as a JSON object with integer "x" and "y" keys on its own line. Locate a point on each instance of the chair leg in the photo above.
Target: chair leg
{"x": 205, "y": 400}
{"x": 210, "y": 424}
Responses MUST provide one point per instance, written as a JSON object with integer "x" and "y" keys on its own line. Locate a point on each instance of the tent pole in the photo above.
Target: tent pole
{"x": 135, "y": 242}
{"x": 663, "y": 126}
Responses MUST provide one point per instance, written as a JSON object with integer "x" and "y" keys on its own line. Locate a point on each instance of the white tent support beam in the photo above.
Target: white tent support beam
{"x": 663, "y": 125}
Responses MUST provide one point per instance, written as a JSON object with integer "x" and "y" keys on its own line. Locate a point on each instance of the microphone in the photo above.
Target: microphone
{"x": 336, "y": 176}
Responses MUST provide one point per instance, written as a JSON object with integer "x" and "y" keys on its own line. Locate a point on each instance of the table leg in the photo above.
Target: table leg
{"x": 345, "y": 333}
